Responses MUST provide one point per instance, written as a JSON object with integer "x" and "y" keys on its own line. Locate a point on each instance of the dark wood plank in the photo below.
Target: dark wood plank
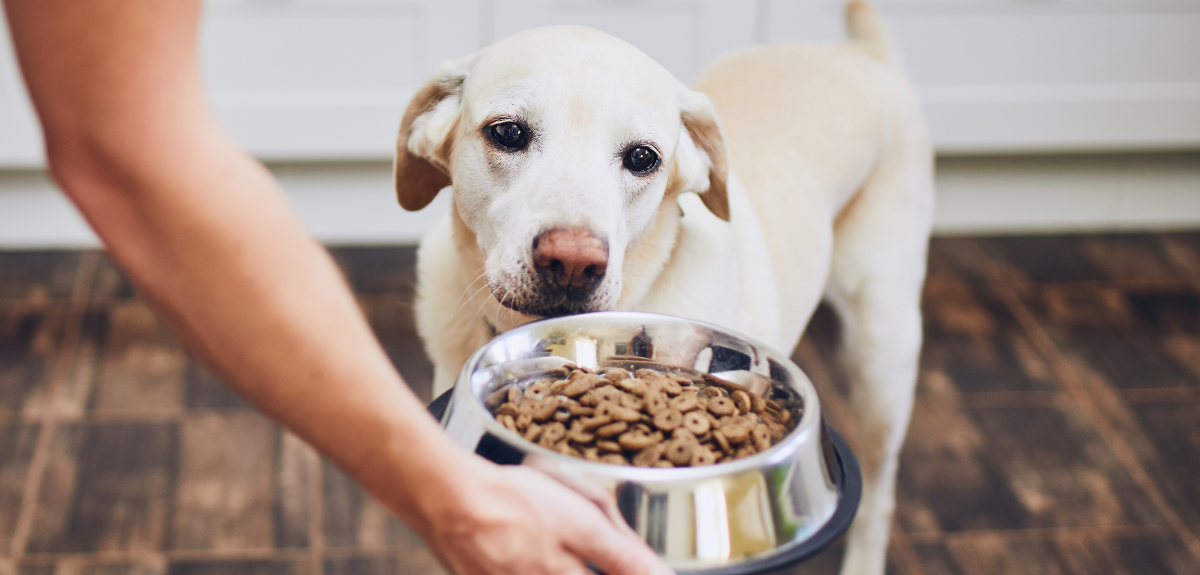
{"x": 1043, "y": 259}
{"x": 17, "y": 444}
{"x": 32, "y": 275}
{"x": 29, "y": 340}
{"x": 385, "y": 281}
{"x": 1025, "y": 259}
{"x": 355, "y": 520}
{"x": 73, "y": 394}
{"x": 293, "y": 485}
{"x": 1120, "y": 258}
{"x": 110, "y": 284}
{"x": 36, "y": 569}
{"x": 1183, "y": 251}
{"x": 973, "y": 344}
{"x": 1173, "y": 456}
{"x": 1004, "y": 554}
{"x": 261, "y": 567}
{"x": 977, "y": 468}
{"x": 203, "y": 390}
{"x": 1130, "y": 258}
{"x": 224, "y": 496}
{"x": 121, "y": 569}
{"x": 391, "y": 317}
{"x": 143, "y": 367}
{"x": 378, "y": 270}
{"x": 1129, "y": 340}
{"x": 829, "y": 562}
{"x": 107, "y": 487}
{"x": 342, "y": 506}
{"x": 376, "y": 565}
{"x": 390, "y": 564}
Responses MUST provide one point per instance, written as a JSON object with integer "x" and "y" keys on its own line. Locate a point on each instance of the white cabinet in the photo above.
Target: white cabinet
{"x": 328, "y": 79}
{"x": 1037, "y": 75}
{"x": 20, "y": 135}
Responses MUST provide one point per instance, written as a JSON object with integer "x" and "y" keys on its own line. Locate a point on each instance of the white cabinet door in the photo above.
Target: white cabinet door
{"x": 327, "y": 79}
{"x": 20, "y": 134}
{"x": 1034, "y": 75}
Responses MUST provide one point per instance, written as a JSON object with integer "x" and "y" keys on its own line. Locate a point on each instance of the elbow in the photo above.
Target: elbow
{"x": 85, "y": 164}
{"x": 98, "y": 163}
{"x": 138, "y": 154}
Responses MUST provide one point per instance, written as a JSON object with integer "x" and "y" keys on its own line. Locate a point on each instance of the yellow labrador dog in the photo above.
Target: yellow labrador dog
{"x": 586, "y": 178}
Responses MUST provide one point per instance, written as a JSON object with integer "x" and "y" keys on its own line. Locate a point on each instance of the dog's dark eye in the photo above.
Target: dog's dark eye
{"x": 509, "y": 135}
{"x": 640, "y": 159}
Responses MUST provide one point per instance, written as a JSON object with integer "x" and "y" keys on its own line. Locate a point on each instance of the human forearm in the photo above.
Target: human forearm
{"x": 210, "y": 241}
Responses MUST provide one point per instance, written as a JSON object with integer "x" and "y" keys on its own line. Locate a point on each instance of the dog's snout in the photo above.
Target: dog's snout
{"x": 570, "y": 258}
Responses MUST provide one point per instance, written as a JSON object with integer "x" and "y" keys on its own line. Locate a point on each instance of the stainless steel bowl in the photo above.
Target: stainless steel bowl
{"x": 743, "y": 516}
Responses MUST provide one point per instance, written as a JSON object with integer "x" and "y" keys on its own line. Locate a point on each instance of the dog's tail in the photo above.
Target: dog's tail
{"x": 863, "y": 23}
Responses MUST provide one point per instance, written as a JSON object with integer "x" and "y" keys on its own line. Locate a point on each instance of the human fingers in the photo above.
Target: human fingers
{"x": 602, "y": 498}
{"x": 615, "y": 552}
{"x": 509, "y": 523}
{"x": 585, "y": 530}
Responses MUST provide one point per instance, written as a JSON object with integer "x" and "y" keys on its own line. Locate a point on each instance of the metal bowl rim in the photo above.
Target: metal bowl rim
{"x": 806, "y": 430}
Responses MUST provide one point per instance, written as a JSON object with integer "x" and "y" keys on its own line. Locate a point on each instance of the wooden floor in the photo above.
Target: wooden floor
{"x": 1057, "y": 428}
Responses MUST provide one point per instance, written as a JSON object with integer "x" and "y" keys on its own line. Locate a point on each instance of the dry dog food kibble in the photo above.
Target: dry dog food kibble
{"x": 648, "y": 418}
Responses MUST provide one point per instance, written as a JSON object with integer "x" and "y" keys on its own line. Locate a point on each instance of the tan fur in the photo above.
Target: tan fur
{"x": 419, "y": 179}
{"x": 706, "y": 133}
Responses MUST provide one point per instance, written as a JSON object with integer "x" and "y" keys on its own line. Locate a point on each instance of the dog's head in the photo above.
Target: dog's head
{"x": 561, "y": 144}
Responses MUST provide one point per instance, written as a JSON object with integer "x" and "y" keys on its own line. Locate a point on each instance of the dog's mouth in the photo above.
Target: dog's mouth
{"x": 548, "y": 300}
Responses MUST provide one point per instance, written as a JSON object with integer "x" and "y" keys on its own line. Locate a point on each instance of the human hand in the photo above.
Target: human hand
{"x": 517, "y": 520}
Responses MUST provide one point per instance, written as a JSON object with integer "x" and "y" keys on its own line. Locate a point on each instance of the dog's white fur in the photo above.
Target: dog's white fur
{"x": 832, "y": 197}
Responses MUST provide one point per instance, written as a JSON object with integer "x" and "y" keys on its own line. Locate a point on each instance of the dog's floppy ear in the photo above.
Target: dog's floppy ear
{"x": 422, "y": 166}
{"x": 700, "y": 160}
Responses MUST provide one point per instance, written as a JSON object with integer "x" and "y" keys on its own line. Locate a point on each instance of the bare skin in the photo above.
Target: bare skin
{"x": 204, "y": 232}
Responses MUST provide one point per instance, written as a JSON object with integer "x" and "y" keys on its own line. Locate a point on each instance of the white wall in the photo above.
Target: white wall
{"x": 1066, "y": 193}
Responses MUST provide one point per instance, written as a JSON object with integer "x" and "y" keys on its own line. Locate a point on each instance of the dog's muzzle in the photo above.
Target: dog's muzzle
{"x": 570, "y": 264}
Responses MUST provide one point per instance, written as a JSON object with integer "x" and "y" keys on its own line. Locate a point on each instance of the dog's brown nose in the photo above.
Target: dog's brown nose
{"x": 570, "y": 257}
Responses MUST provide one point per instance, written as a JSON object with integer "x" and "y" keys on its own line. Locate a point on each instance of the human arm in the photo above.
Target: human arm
{"x": 205, "y": 234}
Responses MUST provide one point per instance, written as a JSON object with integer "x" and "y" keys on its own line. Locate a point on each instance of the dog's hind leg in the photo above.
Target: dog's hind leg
{"x": 876, "y": 275}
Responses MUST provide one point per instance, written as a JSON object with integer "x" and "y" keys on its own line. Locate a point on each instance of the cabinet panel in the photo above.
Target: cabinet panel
{"x": 20, "y": 134}
{"x": 1015, "y": 75}
{"x": 326, "y": 79}
{"x": 365, "y": 46}
{"x": 683, "y": 36}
